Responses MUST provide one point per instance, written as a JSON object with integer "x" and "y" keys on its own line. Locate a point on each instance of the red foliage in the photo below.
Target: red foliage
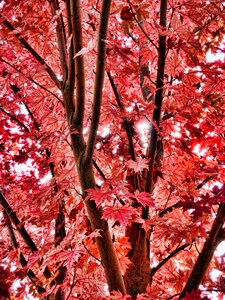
{"x": 37, "y": 166}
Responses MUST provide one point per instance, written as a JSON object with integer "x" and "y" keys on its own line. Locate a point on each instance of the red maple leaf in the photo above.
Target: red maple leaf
{"x": 121, "y": 214}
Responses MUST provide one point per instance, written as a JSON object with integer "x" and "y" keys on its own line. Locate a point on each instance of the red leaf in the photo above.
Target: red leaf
{"x": 139, "y": 165}
{"x": 120, "y": 214}
{"x": 144, "y": 198}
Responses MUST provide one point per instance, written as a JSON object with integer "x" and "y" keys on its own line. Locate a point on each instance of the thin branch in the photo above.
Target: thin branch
{"x": 23, "y": 261}
{"x": 173, "y": 296}
{"x": 71, "y": 62}
{"x": 125, "y": 122}
{"x": 99, "y": 78}
{"x": 166, "y": 259}
{"x": 200, "y": 185}
{"x": 75, "y": 10}
{"x": 33, "y": 52}
{"x": 170, "y": 209}
{"x": 15, "y": 119}
{"x": 72, "y": 285}
{"x": 152, "y": 147}
{"x": 31, "y": 79}
{"x": 60, "y": 231}
{"x": 91, "y": 253}
{"x": 141, "y": 27}
{"x": 37, "y": 126}
{"x": 61, "y": 37}
{"x": 20, "y": 228}
{"x": 179, "y": 203}
{"x": 98, "y": 169}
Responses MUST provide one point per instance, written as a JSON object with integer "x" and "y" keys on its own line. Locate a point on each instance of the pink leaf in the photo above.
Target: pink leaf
{"x": 144, "y": 198}
{"x": 99, "y": 196}
{"x": 139, "y": 165}
{"x": 120, "y": 214}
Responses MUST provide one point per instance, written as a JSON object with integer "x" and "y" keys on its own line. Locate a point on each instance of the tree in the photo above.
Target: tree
{"x": 112, "y": 148}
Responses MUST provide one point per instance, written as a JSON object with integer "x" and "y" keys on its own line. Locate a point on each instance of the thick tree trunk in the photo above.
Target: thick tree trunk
{"x": 137, "y": 274}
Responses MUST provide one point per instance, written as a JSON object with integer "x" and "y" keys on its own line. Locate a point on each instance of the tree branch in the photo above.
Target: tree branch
{"x": 140, "y": 26}
{"x": 77, "y": 120}
{"x": 27, "y": 46}
{"x": 60, "y": 231}
{"x": 125, "y": 122}
{"x": 61, "y": 37}
{"x": 31, "y": 79}
{"x": 152, "y": 147}
{"x": 20, "y": 228}
{"x": 99, "y": 78}
{"x": 15, "y": 119}
{"x": 206, "y": 255}
{"x": 170, "y": 208}
{"x": 166, "y": 259}
{"x": 71, "y": 62}
{"x": 23, "y": 261}
{"x": 91, "y": 253}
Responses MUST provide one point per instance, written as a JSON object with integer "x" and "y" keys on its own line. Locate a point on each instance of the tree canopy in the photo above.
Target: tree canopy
{"x": 112, "y": 149}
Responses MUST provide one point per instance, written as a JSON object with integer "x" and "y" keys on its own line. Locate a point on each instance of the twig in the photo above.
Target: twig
{"x": 175, "y": 295}
{"x": 91, "y": 253}
{"x": 72, "y": 284}
{"x": 98, "y": 169}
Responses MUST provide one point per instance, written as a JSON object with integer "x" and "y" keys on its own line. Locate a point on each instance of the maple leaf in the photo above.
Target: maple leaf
{"x": 51, "y": 136}
{"x": 139, "y": 165}
{"x": 144, "y": 198}
{"x": 99, "y": 196}
{"x": 121, "y": 214}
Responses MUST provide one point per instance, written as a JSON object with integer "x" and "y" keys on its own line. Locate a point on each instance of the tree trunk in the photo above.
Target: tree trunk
{"x": 137, "y": 274}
